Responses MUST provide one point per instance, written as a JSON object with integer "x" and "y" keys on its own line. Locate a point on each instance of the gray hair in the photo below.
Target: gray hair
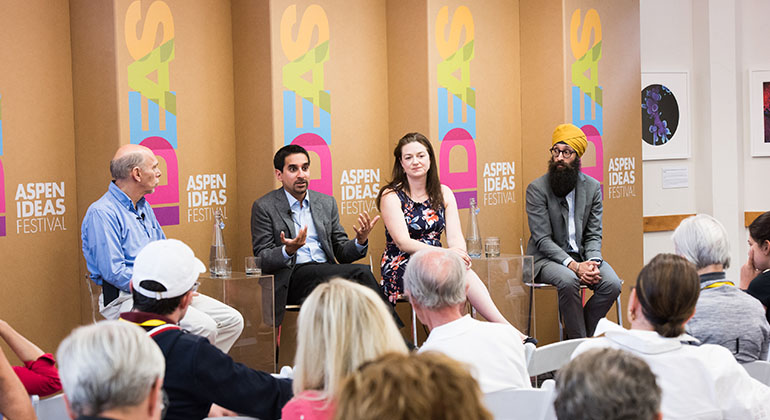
{"x": 703, "y": 241}
{"x": 121, "y": 167}
{"x": 607, "y": 384}
{"x": 435, "y": 278}
{"x": 108, "y": 365}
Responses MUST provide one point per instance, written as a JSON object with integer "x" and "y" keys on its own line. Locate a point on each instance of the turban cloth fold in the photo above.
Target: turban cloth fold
{"x": 572, "y": 136}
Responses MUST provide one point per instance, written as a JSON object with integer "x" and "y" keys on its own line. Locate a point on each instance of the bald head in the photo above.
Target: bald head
{"x": 435, "y": 278}
{"x": 128, "y": 157}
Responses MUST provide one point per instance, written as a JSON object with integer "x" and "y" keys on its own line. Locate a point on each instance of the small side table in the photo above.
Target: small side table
{"x": 505, "y": 277}
{"x": 253, "y": 297}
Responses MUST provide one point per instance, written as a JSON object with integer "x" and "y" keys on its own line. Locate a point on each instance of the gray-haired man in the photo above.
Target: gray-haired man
{"x": 118, "y": 225}
{"x": 111, "y": 370}
{"x": 435, "y": 283}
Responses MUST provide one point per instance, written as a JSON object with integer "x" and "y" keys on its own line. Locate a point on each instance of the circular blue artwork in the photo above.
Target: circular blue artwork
{"x": 660, "y": 115}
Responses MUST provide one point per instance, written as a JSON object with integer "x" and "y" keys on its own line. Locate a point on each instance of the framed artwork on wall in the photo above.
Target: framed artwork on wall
{"x": 665, "y": 116}
{"x": 759, "y": 112}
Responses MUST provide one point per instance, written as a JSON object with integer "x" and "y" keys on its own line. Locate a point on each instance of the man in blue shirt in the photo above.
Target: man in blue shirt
{"x": 119, "y": 224}
{"x": 298, "y": 235}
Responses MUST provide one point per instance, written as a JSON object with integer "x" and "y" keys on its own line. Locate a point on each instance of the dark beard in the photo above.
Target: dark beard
{"x": 563, "y": 178}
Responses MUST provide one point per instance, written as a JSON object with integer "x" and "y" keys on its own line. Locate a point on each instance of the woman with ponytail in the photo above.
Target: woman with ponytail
{"x": 698, "y": 381}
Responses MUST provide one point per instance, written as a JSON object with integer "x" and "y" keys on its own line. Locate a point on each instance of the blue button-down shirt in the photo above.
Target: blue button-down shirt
{"x": 301, "y": 216}
{"x": 113, "y": 233}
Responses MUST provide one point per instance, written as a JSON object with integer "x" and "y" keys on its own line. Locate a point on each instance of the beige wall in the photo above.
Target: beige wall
{"x": 375, "y": 69}
{"x": 40, "y": 251}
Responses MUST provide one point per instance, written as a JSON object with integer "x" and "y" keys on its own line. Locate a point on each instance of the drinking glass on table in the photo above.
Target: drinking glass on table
{"x": 223, "y": 267}
{"x": 253, "y": 266}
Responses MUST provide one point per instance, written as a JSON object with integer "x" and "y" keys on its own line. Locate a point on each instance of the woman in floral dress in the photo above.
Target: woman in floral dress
{"x": 416, "y": 210}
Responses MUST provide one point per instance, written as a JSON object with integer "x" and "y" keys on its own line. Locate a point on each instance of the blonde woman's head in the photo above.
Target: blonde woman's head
{"x": 341, "y": 325}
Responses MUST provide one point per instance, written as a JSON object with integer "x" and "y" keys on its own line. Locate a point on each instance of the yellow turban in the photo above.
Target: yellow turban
{"x": 571, "y": 136}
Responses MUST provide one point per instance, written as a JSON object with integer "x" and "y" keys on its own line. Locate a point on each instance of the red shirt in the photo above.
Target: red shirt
{"x": 40, "y": 377}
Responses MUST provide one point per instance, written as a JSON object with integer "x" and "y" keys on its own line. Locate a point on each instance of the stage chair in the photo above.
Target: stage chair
{"x": 538, "y": 286}
{"x": 533, "y": 404}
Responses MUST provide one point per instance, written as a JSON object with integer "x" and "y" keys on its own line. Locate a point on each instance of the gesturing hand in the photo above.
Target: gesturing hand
{"x": 365, "y": 226}
{"x": 292, "y": 245}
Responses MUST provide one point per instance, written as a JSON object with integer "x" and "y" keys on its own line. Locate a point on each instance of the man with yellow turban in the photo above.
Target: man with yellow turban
{"x": 564, "y": 211}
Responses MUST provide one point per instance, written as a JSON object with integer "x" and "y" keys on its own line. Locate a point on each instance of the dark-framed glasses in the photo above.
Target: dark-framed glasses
{"x": 567, "y": 153}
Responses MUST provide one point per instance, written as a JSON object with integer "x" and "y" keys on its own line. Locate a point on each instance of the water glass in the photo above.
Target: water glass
{"x": 223, "y": 267}
{"x": 492, "y": 247}
{"x": 253, "y": 266}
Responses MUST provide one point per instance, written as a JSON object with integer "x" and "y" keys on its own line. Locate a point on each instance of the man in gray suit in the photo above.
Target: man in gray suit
{"x": 564, "y": 211}
{"x": 298, "y": 235}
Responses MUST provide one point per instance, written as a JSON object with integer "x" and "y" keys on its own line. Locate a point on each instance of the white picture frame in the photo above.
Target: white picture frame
{"x": 678, "y": 145}
{"x": 758, "y": 81}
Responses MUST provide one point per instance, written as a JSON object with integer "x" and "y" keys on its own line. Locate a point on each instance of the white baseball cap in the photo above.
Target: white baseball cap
{"x": 169, "y": 262}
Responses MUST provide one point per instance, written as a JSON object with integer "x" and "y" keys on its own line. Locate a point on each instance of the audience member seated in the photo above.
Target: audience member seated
{"x": 435, "y": 283}
{"x": 607, "y": 384}
{"x": 198, "y": 374}
{"x": 425, "y": 386}
{"x": 724, "y": 315}
{"x": 38, "y": 375}
{"x": 112, "y": 370}
{"x": 14, "y": 400}
{"x": 340, "y": 326}
{"x": 701, "y": 382}
{"x": 755, "y": 277}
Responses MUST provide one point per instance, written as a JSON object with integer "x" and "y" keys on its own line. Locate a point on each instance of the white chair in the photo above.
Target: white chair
{"x": 759, "y": 370}
{"x": 529, "y": 351}
{"x": 531, "y": 404}
{"x": 53, "y": 408}
{"x": 552, "y": 356}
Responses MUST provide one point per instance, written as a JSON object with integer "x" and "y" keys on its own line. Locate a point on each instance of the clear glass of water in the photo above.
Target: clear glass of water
{"x": 223, "y": 267}
{"x": 492, "y": 247}
{"x": 253, "y": 266}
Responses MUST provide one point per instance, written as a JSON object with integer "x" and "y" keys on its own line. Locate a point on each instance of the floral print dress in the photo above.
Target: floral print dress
{"x": 425, "y": 225}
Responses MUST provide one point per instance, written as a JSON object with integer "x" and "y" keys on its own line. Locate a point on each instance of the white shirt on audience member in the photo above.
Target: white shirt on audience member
{"x": 698, "y": 382}
{"x": 494, "y": 351}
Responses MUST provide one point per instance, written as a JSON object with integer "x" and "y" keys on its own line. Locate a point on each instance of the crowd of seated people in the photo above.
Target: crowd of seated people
{"x": 352, "y": 362}
{"x": 690, "y": 326}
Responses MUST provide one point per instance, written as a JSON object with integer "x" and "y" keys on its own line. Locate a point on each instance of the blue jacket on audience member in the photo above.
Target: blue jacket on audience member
{"x": 199, "y": 374}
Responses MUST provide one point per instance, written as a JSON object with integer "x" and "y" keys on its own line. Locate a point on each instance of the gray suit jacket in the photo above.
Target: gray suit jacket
{"x": 270, "y": 215}
{"x": 548, "y": 216}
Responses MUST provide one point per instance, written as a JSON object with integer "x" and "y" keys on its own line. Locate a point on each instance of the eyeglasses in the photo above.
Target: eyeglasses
{"x": 567, "y": 153}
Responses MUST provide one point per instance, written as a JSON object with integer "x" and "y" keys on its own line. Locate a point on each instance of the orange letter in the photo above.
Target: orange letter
{"x": 158, "y": 14}
{"x": 313, "y": 16}
{"x": 592, "y": 22}
{"x": 461, "y": 18}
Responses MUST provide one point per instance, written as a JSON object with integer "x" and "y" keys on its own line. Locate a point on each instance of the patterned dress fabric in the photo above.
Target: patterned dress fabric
{"x": 425, "y": 225}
